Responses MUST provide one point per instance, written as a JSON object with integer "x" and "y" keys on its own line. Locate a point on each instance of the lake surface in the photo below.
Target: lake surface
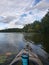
{"x": 14, "y": 42}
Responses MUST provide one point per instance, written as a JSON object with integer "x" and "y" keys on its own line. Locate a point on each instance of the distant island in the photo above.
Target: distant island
{"x": 11, "y": 30}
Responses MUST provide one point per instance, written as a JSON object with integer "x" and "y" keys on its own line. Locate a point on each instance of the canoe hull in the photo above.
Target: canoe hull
{"x": 32, "y": 57}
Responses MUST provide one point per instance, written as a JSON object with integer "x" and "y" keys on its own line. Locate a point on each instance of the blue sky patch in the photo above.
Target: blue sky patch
{"x": 30, "y": 13}
{"x": 23, "y": 15}
{"x": 47, "y": 1}
{"x": 36, "y": 1}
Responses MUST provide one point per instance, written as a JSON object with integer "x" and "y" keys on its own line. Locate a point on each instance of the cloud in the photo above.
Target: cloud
{"x": 36, "y": 1}
{"x": 13, "y": 7}
{"x": 24, "y": 15}
{"x": 17, "y": 13}
{"x": 7, "y": 19}
{"x": 13, "y": 25}
{"x": 31, "y": 17}
{"x": 42, "y": 5}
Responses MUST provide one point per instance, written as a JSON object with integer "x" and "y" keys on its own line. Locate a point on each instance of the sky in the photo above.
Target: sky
{"x": 17, "y": 13}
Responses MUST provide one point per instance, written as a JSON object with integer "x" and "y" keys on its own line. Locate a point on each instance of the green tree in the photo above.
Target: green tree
{"x": 45, "y": 24}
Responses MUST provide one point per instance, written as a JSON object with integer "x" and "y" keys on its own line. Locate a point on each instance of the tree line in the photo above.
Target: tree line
{"x": 37, "y": 26}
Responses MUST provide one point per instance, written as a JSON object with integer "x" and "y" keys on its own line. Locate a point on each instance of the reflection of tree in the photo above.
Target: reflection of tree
{"x": 45, "y": 40}
{"x": 35, "y": 37}
{"x": 38, "y": 38}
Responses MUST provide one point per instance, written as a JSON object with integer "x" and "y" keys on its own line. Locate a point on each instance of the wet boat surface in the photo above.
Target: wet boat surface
{"x": 33, "y": 58}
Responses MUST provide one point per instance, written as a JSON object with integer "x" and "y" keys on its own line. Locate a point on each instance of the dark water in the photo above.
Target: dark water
{"x": 14, "y": 42}
{"x": 38, "y": 38}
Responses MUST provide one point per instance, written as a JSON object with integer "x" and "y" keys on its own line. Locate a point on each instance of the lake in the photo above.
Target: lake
{"x": 14, "y": 42}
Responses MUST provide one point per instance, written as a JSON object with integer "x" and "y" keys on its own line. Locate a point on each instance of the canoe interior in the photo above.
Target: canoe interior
{"x": 20, "y": 63}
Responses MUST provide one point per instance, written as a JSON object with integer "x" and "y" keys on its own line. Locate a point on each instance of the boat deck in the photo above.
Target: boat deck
{"x": 32, "y": 58}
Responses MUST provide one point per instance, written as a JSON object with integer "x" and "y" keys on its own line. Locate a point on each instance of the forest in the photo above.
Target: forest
{"x": 38, "y": 26}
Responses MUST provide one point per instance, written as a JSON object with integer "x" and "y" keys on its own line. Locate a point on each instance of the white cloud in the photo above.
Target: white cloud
{"x": 15, "y": 13}
{"x": 7, "y": 19}
{"x": 42, "y": 5}
{"x": 30, "y": 18}
{"x": 13, "y": 7}
{"x": 13, "y": 25}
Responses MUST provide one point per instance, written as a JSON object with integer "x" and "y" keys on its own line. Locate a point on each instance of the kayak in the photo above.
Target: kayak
{"x": 26, "y": 57}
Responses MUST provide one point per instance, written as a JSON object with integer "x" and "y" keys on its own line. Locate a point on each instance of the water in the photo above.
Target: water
{"x": 14, "y": 42}
{"x": 11, "y": 42}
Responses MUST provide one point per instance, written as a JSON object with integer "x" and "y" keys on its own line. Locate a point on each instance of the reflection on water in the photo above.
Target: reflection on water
{"x": 14, "y": 42}
{"x": 39, "y": 39}
{"x": 11, "y": 42}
